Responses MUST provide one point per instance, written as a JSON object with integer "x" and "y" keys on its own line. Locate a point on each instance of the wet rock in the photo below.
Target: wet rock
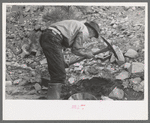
{"x": 37, "y": 87}
{"x": 137, "y": 68}
{"x": 135, "y": 80}
{"x": 123, "y": 75}
{"x": 8, "y": 83}
{"x": 131, "y": 53}
{"x": 17, "y": 81}
{"x": 117, "y": 93}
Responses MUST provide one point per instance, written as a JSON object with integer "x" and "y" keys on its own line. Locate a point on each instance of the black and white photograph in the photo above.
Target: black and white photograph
{"x": 77, "y": 53}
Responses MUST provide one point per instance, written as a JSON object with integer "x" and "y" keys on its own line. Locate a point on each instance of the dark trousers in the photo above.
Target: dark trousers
{"x": 52, "y": 49}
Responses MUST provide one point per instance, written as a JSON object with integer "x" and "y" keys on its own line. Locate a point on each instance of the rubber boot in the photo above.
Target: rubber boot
{"x": 54, "y": 91}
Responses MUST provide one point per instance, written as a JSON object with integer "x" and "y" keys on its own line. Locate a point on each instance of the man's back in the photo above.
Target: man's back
{"x": 70, "y": 29}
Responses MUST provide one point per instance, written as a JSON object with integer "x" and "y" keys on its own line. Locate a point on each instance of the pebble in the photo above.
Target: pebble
{"x": 106, "y": 98}
{"x": 44, "y": 61}
{"x": 138, "y": 87}
{"x": 15, "y": 92}
{"x": 115, "y": 26}
{"x": 113, "y": 58}
{"x": 99, "y": 61}
{"x": 127, "y": 65}
{"x": 142, "y": 83}
{"x": 101, "y": 55}
{"x": 106, "y": 53}
{"x": 17, "y": 81}
{"x": 32, "y": 92}
{"x": 95, "y": 50}
{"x": 77, "y": 64}
{"x": 127, "y": 59}
{"x": 33, "y": 73}
{"x": 23, "y": 82}
{"x": 82, "y": 62}
{"x": 121, "y": 36}
{"x": 37, "y": 87}
{"x": 131, "y": 53}
{"x": 92, "y": 70}
{"x": 43, "y": 28}
{"x": 125, "y": 83}
{"x": 78, "y": 68}
{"x": 8, "y": 78}
{"x": 71, "y": 80}
{"x": 19, "y": 71}
{"x": 8, "y": 83}
{"x": 38, "y": 80}
{"x": 37, "y": 27}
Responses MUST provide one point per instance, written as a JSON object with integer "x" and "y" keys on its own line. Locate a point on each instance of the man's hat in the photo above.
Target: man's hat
{"x": 94, "y": 26}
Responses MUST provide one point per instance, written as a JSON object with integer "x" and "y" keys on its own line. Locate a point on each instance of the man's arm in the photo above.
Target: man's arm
{"x": 78, "y": 48}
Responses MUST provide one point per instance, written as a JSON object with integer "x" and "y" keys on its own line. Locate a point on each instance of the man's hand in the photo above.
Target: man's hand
{"x": 89, "y": 55}
{"x": 66, "y": 64}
